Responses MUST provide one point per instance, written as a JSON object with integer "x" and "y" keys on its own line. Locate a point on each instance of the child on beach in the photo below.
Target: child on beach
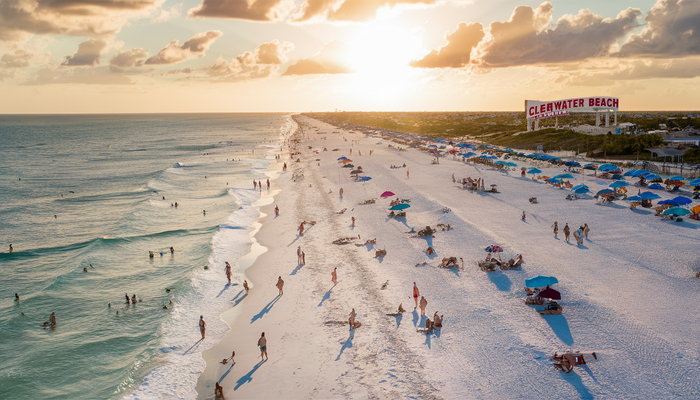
{"x": 277, "y": 211}
{"x": 523, "y": 217}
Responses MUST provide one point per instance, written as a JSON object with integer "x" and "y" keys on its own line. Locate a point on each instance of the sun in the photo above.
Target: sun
{"x": 381, "y": 54}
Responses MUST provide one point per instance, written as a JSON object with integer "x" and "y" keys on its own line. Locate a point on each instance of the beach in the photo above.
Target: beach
{"x": 628, "y": 292}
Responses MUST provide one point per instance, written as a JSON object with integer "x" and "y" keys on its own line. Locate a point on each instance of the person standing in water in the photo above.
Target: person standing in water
{"x": 227, "y": 268}
{"x": 268, "y": 183}
{"x": 262, "y": 343}
{"x": 202, "y": 326}
{"x": 11, "y": 249}
{"x": 255, "y": 184}
{"x": 245, "y": 286}
{"x": 334, "y": 276}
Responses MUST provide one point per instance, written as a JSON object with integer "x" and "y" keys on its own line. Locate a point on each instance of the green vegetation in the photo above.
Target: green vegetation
{"x": 692, "y": 156}
{"x": 508, "y": 129}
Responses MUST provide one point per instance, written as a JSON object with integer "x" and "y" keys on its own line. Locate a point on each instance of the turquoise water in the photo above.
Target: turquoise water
{"x": 87, "y": 192}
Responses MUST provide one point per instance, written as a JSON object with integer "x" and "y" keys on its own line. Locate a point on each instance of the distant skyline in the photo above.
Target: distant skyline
{"x": 160, "y": 56}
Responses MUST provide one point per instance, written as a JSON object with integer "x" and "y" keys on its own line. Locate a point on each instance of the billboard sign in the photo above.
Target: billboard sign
{"x": 544, "y": 109}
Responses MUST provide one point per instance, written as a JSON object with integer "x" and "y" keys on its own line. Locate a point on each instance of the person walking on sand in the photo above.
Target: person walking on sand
{"x": 227, "y": 268}
{"x": 453, "y": 178}
{"x": 341, "y": 192}
{"x": 523, "y": 217}
{"x": 423, "y": 304}
{"x": 334, "y": 276}
{"x": 567, "y": 232}
{"x": 255, "y": 184}
{"x": 245, "y": 286}
{"x": 579, "y": 235}
{"x": 268, "y": 183}
{"x": 280, "y": 285}
{"x": 416, "y": 293}
{"x": 284, "y": 168}
{"x": 262, "y": 343}
{"x": 202, "y": 326}
{"x": 277, "y": 211}
{"x": 353, "y": 222}
{"x": 301, "y": 228}
{"x": 299, "y": 256}
{"x": 351, "y": 320}
{"x": 407, "y": 173}
{"x": 585, "y": 231}
{"x": 556, "y": 229}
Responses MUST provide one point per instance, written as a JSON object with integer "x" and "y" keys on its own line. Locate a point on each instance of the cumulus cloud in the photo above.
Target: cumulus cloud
{"x": 457, "y": 52}
{"x": 20, "y": 18}
{"x": 673, "y": 30}
{"x": 255, "y": 10}
{"x": 260, "y": 63}
{"x": 166, "y": 14}
{"x": 349, "y": 10}
{"x": 194, "y": 47}
{"x": 332, "y": 59}
{"x": 89, "y": 76}
{"x": 526, "y": 39}
{"x": 19, "y": 59}
{"x": 126, "y": 60}
{"x": 88, "y": 54}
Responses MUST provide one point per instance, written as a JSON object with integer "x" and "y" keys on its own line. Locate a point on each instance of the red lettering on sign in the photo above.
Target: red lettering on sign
{"x": 563, "y": 105}
{"x": 529, "y": 110}
{"x": 616, "y": 103}
{"x": 541, "y": 108}
{"x": 597, "y": 101}
{"x": 557, "y": 105}
{"x": 549, "y": 106}
{"x": 591, "y": 102}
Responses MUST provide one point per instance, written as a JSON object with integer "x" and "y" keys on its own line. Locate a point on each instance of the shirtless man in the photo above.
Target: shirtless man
{"x": 262, "y": 343}
{"x": 423, "y": 305}
{"x": 228, "y": 271}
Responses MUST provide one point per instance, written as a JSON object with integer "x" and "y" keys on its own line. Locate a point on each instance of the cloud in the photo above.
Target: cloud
{"x": 673, "y": 30}
{"x": 194, "y": 47}
{"x": 457, "y": 52}
{"x": 21, "y": 18}
{"x": 89, "y": 76}
{"x": 174, "y": 11}
{"x": 88, "y": 54}
{"x": 526, "y": 39}
{"x": 261, "y": 63}
{"x": 20, "y": 59}
{"x": 254, "y": 10}
{"x": 332, "y": 59}
{"x": 349, "y": 10}
{"x": 124, "y": 61}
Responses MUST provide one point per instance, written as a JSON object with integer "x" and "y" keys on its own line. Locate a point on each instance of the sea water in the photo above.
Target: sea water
{"x": 83, "y": 200}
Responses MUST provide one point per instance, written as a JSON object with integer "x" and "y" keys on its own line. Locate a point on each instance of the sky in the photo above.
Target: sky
{"x": 160, "y": 56}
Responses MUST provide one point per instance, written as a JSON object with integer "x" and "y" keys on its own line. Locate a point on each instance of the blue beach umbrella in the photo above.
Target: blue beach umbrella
{"x": 618, "y": 184}
{"x": 694, "y": 182}
{"x": 555, "y": 180}
{"x": 608, "y": 167}
{"x": 534, "y": 171}
{"x": 639, "y": 173}
{"x": 676, "y": 211}
{"x": 604, "y": 191}
{"x": 649, "y": 196}
{"x": 677, "y": 178}
{"x": 681, "y": 200}
{"x": 656, "y": 186}
{"x": 651, "y": 177}
{"x": 565, "y": 176}
{"x": 581, "y": 190}
{"x": 630, "y": 172}
{"x": 342, "y": 158}
{"x": 634, "y": 198}
{"x": 540, "y": 281}
{"x": 572, "y": 164}
{"x": 581, "y": 186}
{"x": 501, "y": 162}
{"x": 401, "y": 206}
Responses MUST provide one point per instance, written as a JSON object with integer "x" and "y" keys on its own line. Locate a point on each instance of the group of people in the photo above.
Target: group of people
{"x": 258, "y": 184}
{"x": 580, "y": 234}
{"x": 436, "y": 322}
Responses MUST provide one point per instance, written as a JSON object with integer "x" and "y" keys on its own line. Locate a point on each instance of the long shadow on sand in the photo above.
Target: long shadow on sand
{"x": 398, "y": 320}
{"x": 416, "y": 318}
{"x": 501, "y": 280}
{"x": 225, "y": 374}
{"x": 347, "y": 344}
{"x": 560, "y": 327}
{"x": 575, "y": 380}
{"x": 249, "y": 376}
{"x": 326, "y": 296}
{"x": 265, "y": 310}
{"x": 226, "y": 286}
{"x": 239, "y": 298}
{"x": 193, "y": 347}
{"x": 294, "y": 272}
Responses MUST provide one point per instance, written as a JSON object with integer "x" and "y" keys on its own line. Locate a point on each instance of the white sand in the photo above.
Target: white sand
{"x": 628, "y": 293}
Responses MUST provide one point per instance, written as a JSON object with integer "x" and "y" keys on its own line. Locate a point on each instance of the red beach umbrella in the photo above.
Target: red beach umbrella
{"x": 550, "y": 293}
{"x": 387, "y": 194}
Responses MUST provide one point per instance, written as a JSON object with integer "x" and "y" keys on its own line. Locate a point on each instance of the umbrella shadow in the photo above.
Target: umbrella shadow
{"x": 501, "y": 280}
{"x": 560, "y": 327}
{"x": 249, "y": 376}
{"x": 295, "y": 270}
{"x": 265, "y": 310}
{"x": 326, "y": 296}
{"x": 398, "y": 320}
{"x": 347, "y": 344}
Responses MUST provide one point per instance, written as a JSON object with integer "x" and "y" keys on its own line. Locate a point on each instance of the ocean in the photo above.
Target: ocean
{"x": 83, "y": 200}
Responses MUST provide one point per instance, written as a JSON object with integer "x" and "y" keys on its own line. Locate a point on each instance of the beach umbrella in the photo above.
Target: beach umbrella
{"x": 500, "y": 162}
{"x": 681, "y": 200}
{"x": 639, "y": 172}
{"x": 634, "y": 198}
{"x": 550, "y": 293}
{"x": 581, "y": 190}
{"x": 649, "y": 196}
{"x": 494, "y": 249}
{"x": 355, "y": 171}
{"x": 364, "y": 178}
{"x": 677, "y": 178}
{"x": 676, "y": 211}
{"x": 534, "y": 171}
{"x": 630, "y": 172}
{"x": 565, "y": 176}
{"x": 401, "y": 206}
{"x": 694, "y": 182}
{"x": 432, "y": 146}
{"x": 540, "y": 281}
{"x": 651, "y": 177}
{"x": 668, "y": 202}
{"x": 572, "y": 164}
{"x": 347, "y": 160}
{"x": 618, "y": 184}
{"x": 656, "y": 186}
{"x": 342, "y": 158}
{"x": 608, "y": 167}
{"x": 581, "y": 186}
{"x": 604, "y": 192}
{"x": 387, "y": 194}
{"x": 511, "y": 164}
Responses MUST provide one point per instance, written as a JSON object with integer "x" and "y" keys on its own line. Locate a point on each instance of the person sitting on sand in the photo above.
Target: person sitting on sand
{"x": 225, "y": 360}
{"x": 488, "y": 258}
{"x": 218, "y": 392}
{"x": 401, "y": 310}
{"x": 428, "y": 325}
{"x": 437, "y": 320}
{"x": 518, "y": 260}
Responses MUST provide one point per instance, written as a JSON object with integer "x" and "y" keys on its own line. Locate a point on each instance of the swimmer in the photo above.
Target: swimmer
{"x": 109, "y": 305}
{"x": 128, "y": 300}
{"x": 204, "y": 212}
{"x": 11, "y": 249}
{"x": 17, "y": 298}
{"x": 172, "y": 251}
{"x": 133, "y": 298}
{"x": 150, "y": 254}
{"x": 84, "y": 269}
{"x": 164, "y": 306}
